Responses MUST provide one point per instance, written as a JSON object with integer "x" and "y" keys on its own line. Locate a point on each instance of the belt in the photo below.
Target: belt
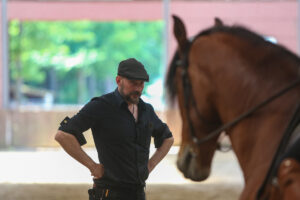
{"x": 121, "y": 193}
{"x": 101, "y": 183}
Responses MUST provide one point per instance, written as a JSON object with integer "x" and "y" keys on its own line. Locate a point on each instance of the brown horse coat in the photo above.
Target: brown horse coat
{"x": 232, "y": 69}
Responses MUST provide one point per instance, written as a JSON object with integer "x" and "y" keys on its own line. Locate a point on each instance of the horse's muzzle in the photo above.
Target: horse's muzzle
{"x": 188, "y": 164}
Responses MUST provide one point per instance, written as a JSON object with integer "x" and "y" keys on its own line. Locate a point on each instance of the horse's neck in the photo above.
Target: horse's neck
{"x": 256, "y": 138}
{"x": 255, "y": 141}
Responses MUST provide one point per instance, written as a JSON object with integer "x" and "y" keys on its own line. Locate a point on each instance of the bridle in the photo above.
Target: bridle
{"x": 188, "y": 95}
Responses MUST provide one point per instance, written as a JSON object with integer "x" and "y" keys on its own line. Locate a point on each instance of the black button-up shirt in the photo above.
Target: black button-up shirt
{"x": 122, "y": 144}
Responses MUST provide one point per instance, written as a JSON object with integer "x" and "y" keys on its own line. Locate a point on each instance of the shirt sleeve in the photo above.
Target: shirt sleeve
{"x": 161, "y": 130}
{"x": 80, "y": 122}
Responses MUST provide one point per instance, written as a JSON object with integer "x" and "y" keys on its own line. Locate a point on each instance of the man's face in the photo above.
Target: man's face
{"x": 131, "y": 90}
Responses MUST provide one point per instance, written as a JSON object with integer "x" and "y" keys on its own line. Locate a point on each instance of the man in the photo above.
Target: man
{"x": 122, "y": 126}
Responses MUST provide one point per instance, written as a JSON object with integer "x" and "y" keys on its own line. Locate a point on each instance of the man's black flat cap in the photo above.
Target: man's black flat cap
{"x": 133, "y": 69}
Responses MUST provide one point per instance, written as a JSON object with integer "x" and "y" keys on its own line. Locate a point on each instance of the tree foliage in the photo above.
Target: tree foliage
{"x": 78, "y": 60}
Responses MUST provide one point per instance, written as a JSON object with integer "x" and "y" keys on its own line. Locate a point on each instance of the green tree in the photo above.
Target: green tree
{"x": 78, "y": 60}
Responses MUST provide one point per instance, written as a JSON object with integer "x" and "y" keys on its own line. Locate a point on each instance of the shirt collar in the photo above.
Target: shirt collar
{"x": 120, "y": 100}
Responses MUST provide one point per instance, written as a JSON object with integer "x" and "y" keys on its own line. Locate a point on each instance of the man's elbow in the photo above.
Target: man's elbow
{"x": 170, "y": 140}
{"x": 59, "y": 136}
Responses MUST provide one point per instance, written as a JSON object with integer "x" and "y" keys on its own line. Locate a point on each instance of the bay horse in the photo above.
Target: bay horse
{"x": 228, "y": 78}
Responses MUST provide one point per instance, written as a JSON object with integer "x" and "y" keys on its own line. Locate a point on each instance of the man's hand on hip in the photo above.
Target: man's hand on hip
{"x": 97, "y": 171}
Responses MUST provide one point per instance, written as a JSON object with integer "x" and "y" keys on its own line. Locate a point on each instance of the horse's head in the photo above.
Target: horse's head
{"x": 197, "y": 111}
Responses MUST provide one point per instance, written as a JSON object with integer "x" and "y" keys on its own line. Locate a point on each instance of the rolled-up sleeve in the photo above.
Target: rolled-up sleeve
{"x": 80, "y": 122}
{"x": 161, "y": 130}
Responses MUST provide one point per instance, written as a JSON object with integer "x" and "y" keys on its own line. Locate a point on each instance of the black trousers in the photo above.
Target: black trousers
{"x": 102, "y": 193}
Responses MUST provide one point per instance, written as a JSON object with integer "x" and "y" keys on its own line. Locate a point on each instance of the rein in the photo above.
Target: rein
{"x": 183, "y": 63}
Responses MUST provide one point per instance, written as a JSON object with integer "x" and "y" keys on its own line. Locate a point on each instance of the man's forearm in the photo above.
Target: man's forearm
{"x": 160, "y": 153}
{"x": 73, "y": 148}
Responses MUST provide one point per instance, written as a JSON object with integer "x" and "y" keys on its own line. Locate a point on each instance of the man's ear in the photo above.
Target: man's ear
{"x": 118, "y": 79}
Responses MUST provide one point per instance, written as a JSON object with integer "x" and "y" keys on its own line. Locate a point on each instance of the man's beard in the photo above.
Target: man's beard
{"x": 128, "y": 97}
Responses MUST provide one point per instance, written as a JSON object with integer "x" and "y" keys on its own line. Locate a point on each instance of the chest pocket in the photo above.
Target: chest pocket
{"x": 144, "y": 132}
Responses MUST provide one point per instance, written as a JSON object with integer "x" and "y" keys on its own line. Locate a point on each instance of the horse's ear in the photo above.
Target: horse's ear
{"x": 218, "y": 22}
{"x": 180, "y": 33}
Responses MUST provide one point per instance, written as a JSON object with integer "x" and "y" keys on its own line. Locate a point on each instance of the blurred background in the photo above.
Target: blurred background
{"x": 56, "y": 55}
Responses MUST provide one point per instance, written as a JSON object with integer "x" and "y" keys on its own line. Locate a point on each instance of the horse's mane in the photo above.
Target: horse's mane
{"x": 237, "y": 31}
{"x": 170, "y": 79}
